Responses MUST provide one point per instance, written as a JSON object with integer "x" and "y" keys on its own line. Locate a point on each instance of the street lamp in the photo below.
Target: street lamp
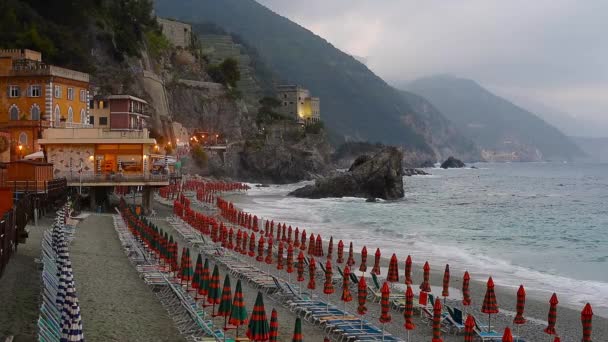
{"x": 20, "y": 147}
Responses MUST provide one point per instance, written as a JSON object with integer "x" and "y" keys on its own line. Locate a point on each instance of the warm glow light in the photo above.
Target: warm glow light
{"x": 91, "y": 158}
{"x": 156, "y": 147}
{"x": 217, "y": 135}
{"x": 20, "y": 147}
{"x": 145, "y": 156}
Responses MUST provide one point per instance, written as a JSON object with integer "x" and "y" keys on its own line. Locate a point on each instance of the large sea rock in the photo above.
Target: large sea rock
{"x": 452, "y": 163}
{"x": 378, "y": 176}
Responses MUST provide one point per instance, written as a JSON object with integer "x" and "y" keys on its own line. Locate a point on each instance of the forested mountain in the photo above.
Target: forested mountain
{"x": 502, "y": 129}
{"x": 354, "y": 101}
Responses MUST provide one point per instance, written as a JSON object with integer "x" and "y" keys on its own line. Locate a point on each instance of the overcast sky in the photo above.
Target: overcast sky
{"x": 551, "y": 51}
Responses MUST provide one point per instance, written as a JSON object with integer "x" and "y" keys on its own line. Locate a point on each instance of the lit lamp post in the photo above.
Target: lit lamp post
{"x": 20, "y": 147}
{"x": 216, "y": 136}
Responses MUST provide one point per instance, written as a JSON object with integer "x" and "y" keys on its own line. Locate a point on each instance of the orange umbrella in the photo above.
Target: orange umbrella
{"x": 300, "y": 268}
{"x": 311, "y": 245}
{"x": 393, "y": 270}
{"x": 426, "y": 286}
{"x": 586, "y": 320}
{"x": 351, "y": 259}
{"x": 521, "y": 302}
{"x": 408, "y": 313}
{"x": 376, "y": 268}
{"x": 312, "y": 267}
{"x": 550, "y": 329}
{"x": 445, "y": 292}
{"x": 361, "y": 297}
{"x": 437, "y": 321}
{"x": 385, "y": 315}
{"x": 469, "y": 329}
{"x": 280, "y": 256}
{"x": 328, "y": 286}
{"x": 466, "y": 294}
{"x": 507, "y": 337}
{"x": 319, "y": 246}
{"x": 490, "y": 306}
{"x": 330, "y": 248}
{"x": 363, "y": 266}
{"x": 408, "y": 270}
{"x": 340, "y": 252}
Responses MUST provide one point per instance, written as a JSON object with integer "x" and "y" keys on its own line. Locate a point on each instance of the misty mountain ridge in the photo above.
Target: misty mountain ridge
{"x": 503, "y": 130}
{"x": 355, "y": 102}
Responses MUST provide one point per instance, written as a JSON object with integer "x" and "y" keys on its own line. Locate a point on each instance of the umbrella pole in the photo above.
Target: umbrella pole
{"x": 489, "y": 320}
{"x": 408, "y": 336}
{"x": 327, "y": 302}
{"x": 382, "y": 331}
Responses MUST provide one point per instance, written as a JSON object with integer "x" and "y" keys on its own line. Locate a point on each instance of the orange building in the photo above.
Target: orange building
{"x": 35, "y": 96}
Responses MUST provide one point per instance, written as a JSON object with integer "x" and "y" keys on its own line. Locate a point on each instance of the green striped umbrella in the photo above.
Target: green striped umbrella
{"x": 226, "y": 302}
{"x": 297, "y": 331}
{"x": 238, "y": 314}
{"x": 258, "y": 329}
{"x": 274, "y": 321}
{"x": 182, "y": 262}
{"x": 186, "y": 273}
{"x": 214, "y": 289}
{"x": 198, "y": 272}
{"x": 203, "y": 285}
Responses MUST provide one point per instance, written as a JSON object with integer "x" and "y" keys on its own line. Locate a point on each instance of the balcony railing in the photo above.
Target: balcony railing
{"x": 94, "y": 177}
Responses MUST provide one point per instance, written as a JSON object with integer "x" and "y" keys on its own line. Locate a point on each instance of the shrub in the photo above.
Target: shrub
{"x": 199, "y": 156}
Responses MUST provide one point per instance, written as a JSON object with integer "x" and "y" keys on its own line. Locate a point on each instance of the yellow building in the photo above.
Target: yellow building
{"x": 35, "y": 96}
{"x": 297, "y": 103}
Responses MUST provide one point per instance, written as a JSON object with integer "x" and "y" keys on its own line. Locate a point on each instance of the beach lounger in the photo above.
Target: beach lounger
{"x": 455, "y": 319}
{"x": 486, "y": 333}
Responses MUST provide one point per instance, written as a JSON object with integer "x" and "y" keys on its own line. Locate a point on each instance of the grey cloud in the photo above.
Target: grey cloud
{"x": 553, "y": 50}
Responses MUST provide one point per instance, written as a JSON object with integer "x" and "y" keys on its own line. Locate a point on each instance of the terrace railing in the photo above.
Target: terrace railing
{"x": 94, "y": 177}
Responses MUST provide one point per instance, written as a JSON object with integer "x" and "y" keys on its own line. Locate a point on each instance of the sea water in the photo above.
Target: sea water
{"x": 544, "y": 225}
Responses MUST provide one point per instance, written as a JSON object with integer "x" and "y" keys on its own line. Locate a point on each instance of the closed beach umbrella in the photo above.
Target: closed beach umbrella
{"x": 319, "y": 246}
{"x": 426, "y": 286}
{"x": 328, "y": 286}
{"x": 490, "y": 306}
{"x": 238, "y": 314}
{"x": 393, "y": 270}
{"x": 363, "y": 265}
{"x": 203, "y": 286}
{"x": 289, "y": 261}
{"x": 437, "y": 321}
{"x": 296, "y": 239}
{"x": 245, "y": 243}
{"x": 260, "y": 256}
{"x": 466, "y": 293}
{"x": 230, "y": 244}
{"x": 385, "y": 306}
{"x": 507, "y": 336}
{"x": 311, "y": 273}
{"x": 274, "y": 318}
{"x": 330, "y": 248}
{"x": 550, "y": 329}
{"x": 289, "y": 232}
{"x": 376, "y": 268}
{"x": 297, "y": 331}
{"x": 198, "y": 271}
{"x": 521, "y": 302}
{"x": 182, "y": 263}
{"x": 279, "y": 256}
{"x": 267, "y": 229}
{"x": 408, "y": 270}
{"x": 239, "y": 239}
{"x": 586, "y": 320}
{"x": 226, "y": 302}
{"x": 408, "y": 313}
{"x": 303, "y": 240}
{"x": 346, "y": 295}
{"x": 213, "y": 297}
{"x": 258, "y": 329}
{"x": 340, "y": 258}
{"x": 300, "y": 269}
{"x": 186, "y": 271}
{"x": 557, "y": 339}
{"x": 469, "y": 329}
{"x": 284, "y": 235}
{"x": 311, "y": 245}
{"x": 351, "y": 257}
{"x": 252, "y": 245}
{"x": 445, "y": 292}
{"x": 362, "y": 296}
{"x": 268, "y": 259}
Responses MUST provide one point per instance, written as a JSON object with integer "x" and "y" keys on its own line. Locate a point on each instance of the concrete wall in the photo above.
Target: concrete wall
{"x": 178, "y": 33}
{"x": 62, "y": 156}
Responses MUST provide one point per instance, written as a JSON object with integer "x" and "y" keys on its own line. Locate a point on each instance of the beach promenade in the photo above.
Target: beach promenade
{"x": 116, "y": 304}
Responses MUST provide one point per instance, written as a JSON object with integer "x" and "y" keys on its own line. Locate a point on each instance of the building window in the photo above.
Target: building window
{"x": 22, "y": 138}
{"x": 103, "y": 121}
{"x": 35, "y": 112}
{"x": 83, "y": 115}
{"x": 57, "y": 92}
{"x": 14, "y": 112}
{"x": 71, "y": 94}
{"x": 91, "y": 120}
{"x": 70, "y": 114}
{"x": 57, "y": 115}
{"x": 14, "y": 91}
{"x": 83, "y": 95}
{"x": 34, "y": 91}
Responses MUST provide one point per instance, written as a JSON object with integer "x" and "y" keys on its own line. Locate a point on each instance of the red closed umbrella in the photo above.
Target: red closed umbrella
{"x": 363, "y": 265}
{"x": 490, "y": 305}
{"x": 267, "y": 229}
{"x": 260, "y": 256}
{"x": 552, "y": 319}
{"x": 319, "y": 246}
{"x": 507, "y": 337}
{"x": 252, "y": 245}
{"x": 289, "y": 261}
{"x": 437, "y": 321}
{"x": 393, "y": 270}
{"x": 586, "y": 320}
{"x": 312, "y": 267}
{"x": 408, "y": 270}
{"x": 521, "y": 302}
{"x": 351, "y": 257}
{"x": 303, "y": 240}
{"x": 300, "y": 268}
{"x": 297, "y": 331}
{"x": 340, "y": 252}
{"x": 296, "y": 239}
{"x": 330, "y": 248}
{"x": 466, "y": 293}
{"x": 239, "y": 239}
{"x": 469, "y": 329}
{"x": 284, "y": 235}
{"x": 408, "y": 313}
{"x": 426, "y": 286}
{"x": 268, "y": 259}
{"x": 361, "y": 296}
{"x": 274, "y": 326}
{"x": 346, "y": 295}
{"x": 385, "y": 315}
{"x": 328, "y": 286}
{"x": 376, "y": 268}
{"x": 311, "y": 245}
{"x": 230, "y": 238}
{"x": 289, "y": 232}
{"x": 280, "y": 257}
{"x": 445, "y": 292}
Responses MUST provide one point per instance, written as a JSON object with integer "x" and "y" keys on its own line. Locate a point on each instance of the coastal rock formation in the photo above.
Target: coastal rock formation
{"x": 380, "y": 176}
{"x": 452, "y": 163}
{"x": 414, "y": 172}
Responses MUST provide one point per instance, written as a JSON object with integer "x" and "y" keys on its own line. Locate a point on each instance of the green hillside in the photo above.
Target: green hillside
{"x": 354, "y": 101}
{"x": 491, "y": 121}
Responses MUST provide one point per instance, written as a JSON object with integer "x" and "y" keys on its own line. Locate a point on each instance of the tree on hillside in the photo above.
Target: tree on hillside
{"x": 267, "y": 111}
{"x": 226, "y": 73}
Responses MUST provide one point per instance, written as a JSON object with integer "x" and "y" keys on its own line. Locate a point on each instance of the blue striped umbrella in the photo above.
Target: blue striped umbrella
{"x": 76, "y": 326}
{"x": 66, "y": 314}
{"x": 65, "y": 279}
